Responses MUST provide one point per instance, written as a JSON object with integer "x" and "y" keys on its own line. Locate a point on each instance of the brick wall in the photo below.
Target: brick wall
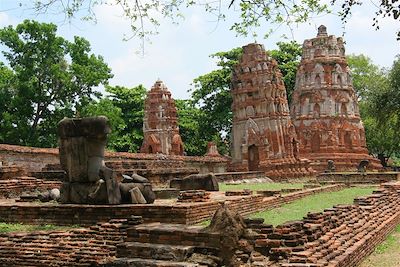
{"x": 30, "y": 158}
{"x": 359, "y": 178}
{"x": 14, "y": 187}
{"x": 35, "y": 159}
{"x": 77, "y": 247}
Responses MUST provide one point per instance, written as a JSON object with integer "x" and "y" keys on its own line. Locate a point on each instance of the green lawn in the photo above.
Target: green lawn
{"x": 17, "y": 227}
{"x": 259, "y": 186}
{"x": 298, "y": 209}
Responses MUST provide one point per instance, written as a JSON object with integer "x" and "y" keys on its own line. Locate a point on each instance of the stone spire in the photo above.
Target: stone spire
{"x": 324, "y": 105}
{"x": 160, "y": 123}
{"x": 263, "y": 136}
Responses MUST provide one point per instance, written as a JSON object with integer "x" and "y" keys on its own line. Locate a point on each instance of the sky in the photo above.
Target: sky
{"x": 180, "y": 53}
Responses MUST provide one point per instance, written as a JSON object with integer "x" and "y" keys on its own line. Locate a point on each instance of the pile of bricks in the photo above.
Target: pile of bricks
{"x": 194, "y": 196}
{"x": 15, "y": 187}
{"x": 340, "y": 236}
{"x": 76, "y": 247}
{"x": 244, "y": 192}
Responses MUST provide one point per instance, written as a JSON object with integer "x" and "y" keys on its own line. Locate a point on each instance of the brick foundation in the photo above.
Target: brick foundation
{"x": 184, "y": 213}
{"x": 77, "y": 247}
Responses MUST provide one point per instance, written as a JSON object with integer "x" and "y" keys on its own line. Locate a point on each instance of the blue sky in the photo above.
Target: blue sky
{"x": 181, "y": 52}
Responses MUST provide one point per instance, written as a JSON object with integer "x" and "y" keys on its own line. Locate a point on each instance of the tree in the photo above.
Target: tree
{"x": 6, "y": 91}
{"x": 52, "y": 77}
{"x": 367, "y": 77}
{"x": 211, "y": 92}
{"x": 189, "y": 121}
{"x": 374, "y": 89}
{"x": 131, "y": 103}
{"x": 106, "y": 107}
{"x": 144, "y": 15}
{"x": 392, "y": 96}
{"x": 124, "y": 108}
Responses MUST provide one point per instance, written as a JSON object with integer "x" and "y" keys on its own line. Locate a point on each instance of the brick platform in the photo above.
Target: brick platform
{"x": 167, "y": 211}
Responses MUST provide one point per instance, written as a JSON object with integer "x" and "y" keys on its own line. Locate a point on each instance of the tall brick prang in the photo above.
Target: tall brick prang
{"x": 160, "y": 124}
{"x": 324, "y": 106}
{"x": 263, "y": 136}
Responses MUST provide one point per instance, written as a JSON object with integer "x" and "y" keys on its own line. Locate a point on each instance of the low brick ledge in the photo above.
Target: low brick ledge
{"x": 183, "y": 213}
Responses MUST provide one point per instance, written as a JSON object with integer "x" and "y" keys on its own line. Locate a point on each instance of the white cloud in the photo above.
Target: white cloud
{"x": 6, "y": 20}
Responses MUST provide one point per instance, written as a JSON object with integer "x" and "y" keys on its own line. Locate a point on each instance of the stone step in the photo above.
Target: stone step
{"x": 173, "y": 234}
{"x": 154, "y": 251}
{"x": 139, "y": 262}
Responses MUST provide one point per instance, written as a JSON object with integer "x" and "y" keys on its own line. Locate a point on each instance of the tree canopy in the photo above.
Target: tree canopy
{"x": 48, "y": 78}
{"x": 376, "y": 90}
{"x": 125, "y": 109}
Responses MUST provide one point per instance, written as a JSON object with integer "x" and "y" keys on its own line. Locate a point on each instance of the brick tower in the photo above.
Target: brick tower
{"x": 263, "y": 136}
{"x": 324, "y": 107}
{"x": 160, "y": 124}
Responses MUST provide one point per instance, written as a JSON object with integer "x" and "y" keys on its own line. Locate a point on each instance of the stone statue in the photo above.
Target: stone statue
{"x": 82, "y": 143}
{"x": 206, "y": 182}
{"x": 362, "y": 167}
{"x": 331, "y": 166}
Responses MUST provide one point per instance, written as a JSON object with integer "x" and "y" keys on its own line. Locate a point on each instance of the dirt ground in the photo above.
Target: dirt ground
{"x": 387, "y": 254}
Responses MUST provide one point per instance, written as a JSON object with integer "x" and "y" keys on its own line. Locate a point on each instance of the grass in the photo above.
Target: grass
{"x": 387, "y": 253}
{"x": 259, "y": 186}
{"x": 389, "y": 243}
{"x": 316, "y": 203}
{"x": 17, "y": 227}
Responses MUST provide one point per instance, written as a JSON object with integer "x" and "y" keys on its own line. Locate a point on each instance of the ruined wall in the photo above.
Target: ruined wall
{"x": 12, "y": 188}
{"x": 30, "y": 158}
{"x": 77, "y": 247}
{"x": 341, "y": 236}
{"x": 33, "y": 159}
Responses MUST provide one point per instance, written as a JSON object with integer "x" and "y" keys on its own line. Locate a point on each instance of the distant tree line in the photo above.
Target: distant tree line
{"x": 46, "y": 78}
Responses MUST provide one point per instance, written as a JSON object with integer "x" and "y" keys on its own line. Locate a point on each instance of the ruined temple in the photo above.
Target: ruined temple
{"x": 160, "y": 123}
{"x": 263, "y": 136}
{"x": 324, "y": 106}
